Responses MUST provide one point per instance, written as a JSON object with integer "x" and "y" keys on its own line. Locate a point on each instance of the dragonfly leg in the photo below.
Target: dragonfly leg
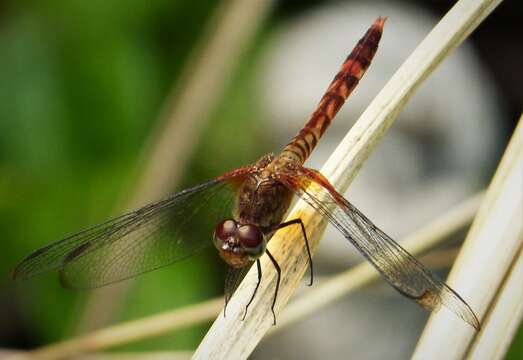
{"x": 258, "y": 265}
{"x": 278, "y": 271}
{"x": 225, "y": 307}
{"x": 298, "y": 221}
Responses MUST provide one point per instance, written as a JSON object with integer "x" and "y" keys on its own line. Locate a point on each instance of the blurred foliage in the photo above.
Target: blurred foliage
{"x": 515, "y": 352}
{"x": 82, "y": 85}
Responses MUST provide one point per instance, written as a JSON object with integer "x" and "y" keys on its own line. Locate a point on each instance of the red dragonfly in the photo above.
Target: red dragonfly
{"x": 253, "y": 200}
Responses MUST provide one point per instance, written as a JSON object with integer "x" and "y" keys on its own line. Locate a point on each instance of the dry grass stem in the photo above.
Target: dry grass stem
{"x": 504, "y": 320}
{"x": 187, "y": 109}
{"x": 140, "y": 355}
{"x": 483, "y": 267}
{"x": 231, "y": 337}
{"x": 423, "y": 239}
{"x": 130, "y": 331}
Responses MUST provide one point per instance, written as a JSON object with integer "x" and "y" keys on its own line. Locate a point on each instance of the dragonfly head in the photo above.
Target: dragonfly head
{"x": 239, "y": 244}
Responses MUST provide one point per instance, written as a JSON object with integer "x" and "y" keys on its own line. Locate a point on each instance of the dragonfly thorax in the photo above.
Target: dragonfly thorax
{"x": 262, "y": 200}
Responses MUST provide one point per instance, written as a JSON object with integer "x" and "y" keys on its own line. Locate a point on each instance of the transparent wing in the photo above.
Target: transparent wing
{"x": 233, "y": 279}
{"x": 396, "y": 265}
{"x": 154, "y": 236}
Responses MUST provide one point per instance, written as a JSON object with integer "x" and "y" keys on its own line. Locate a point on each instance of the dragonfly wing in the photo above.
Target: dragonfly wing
{"x": 151, "y": 237}
{"x": 396, "y": 265}
{"x": 233, "y": 279}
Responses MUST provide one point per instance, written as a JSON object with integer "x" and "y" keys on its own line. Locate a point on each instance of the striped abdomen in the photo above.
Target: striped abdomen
{"x": 340, "y": 88}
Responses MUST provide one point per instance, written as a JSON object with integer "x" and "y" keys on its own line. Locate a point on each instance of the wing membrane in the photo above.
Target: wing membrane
{"x": 233, "y": 279}
{"x": 396, "y": 265}
{"x": 154, "y": 236}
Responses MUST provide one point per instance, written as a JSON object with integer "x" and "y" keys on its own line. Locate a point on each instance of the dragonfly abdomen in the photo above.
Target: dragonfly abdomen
{"x": 338, "y": 91}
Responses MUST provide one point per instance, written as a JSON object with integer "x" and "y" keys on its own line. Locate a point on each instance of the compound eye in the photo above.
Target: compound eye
{"x": 251, "y": 238}
{"x": 225, "y": 229}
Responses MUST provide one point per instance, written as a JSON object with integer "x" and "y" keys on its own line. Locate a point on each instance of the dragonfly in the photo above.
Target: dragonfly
{"x": 249, "y": 205}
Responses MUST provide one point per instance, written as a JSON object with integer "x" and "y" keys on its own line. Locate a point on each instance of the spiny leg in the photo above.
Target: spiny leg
{"x": 278, "y": 271}
{"x": 298, "y": 221}
{"x": 258, "y": 265}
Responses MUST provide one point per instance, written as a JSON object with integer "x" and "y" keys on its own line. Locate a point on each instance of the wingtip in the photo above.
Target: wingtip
{"x": 469, "y": 316}
{"x": 475, "y": 323}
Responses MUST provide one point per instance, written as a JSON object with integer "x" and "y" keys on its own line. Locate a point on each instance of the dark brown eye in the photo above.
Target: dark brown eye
{"x": 225, "y": 229}
{"x": 251, "y": 238}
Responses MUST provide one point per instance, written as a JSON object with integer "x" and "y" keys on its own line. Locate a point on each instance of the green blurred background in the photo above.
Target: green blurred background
{"x": 81, "y": 87}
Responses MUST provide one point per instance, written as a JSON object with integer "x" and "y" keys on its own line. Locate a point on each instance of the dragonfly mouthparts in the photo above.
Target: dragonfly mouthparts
{"x": 234, "y": 257}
